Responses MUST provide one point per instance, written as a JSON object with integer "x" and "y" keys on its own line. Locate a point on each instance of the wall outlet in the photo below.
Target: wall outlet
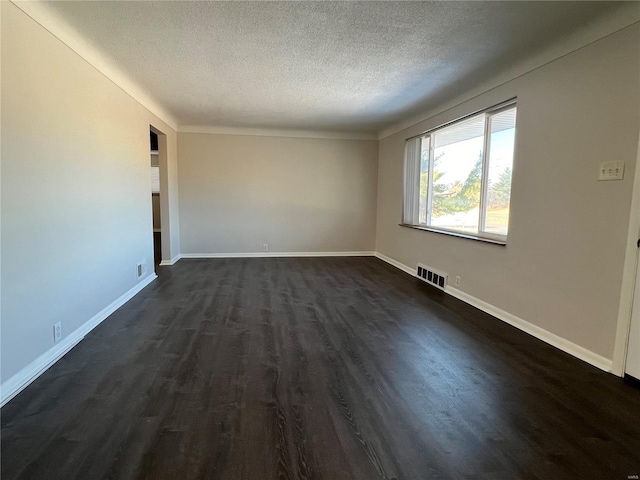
{"x": 457, "y": 283}
{"x": 265, "y": 247}
{"x": 141, "y": 269}
{"x": 57, "y": 332}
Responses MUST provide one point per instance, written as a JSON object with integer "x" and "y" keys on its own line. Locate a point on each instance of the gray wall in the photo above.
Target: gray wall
{"x": 562, "y": 267}
{"x": 76, "y": 193}
{"x": 295, "y": 194}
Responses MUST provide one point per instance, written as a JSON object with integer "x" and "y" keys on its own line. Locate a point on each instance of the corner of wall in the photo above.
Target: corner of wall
{"x": 42, "y": 14}
{"x": 23, "y": 378}
{"x": 629, "y": 275}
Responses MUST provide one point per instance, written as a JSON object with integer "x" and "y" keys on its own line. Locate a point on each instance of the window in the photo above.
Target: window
{"x": 458, "y": 176}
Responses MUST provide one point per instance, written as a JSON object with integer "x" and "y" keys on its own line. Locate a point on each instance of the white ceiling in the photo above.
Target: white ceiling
{"x": 350, "y": 66}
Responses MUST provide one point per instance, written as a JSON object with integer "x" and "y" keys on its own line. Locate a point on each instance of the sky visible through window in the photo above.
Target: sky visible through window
{"x": 457, "y": 174}
{"x": 466, "y": 154}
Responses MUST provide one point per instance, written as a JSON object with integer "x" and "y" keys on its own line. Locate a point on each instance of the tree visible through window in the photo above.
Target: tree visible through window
{"x": 463, "y": 175}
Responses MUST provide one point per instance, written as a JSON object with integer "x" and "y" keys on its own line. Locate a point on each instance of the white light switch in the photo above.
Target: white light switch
{"x": 611, "y": 171}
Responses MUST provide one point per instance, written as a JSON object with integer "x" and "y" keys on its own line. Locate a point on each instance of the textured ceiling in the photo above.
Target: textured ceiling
{"x": 353, "y": 66}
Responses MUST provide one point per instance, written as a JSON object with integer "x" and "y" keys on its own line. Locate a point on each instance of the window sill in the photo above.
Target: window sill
{"x": 456, "y": 234}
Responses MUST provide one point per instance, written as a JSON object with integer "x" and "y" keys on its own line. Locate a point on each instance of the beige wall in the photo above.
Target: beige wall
{"x": 71, "y": 136}
{"x": 76, "y": 194}
{"x": 562, "y": 267}
{"x": 295, "y": 194}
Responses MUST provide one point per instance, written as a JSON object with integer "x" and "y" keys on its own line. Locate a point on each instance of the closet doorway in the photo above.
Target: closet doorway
{"x": 155, "y": 197}
{"x": 160, "y": 196}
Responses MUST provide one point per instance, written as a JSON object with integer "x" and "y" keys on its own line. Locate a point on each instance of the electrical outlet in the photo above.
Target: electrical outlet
{"x": 457, "y": 281}
{"x": 141, "y": 269}
{"x": 57, "y": 332}
{"x": 265, "y": 247}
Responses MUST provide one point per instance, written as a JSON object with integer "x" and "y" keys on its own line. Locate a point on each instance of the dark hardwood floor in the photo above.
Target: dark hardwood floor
{"x": 315, "y": 368}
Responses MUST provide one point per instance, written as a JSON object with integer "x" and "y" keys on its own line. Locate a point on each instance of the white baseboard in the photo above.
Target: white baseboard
{"x": 528, "y": 327}
{"x": 167, "y": 263}
{"x": 28, "y": 374}
{"x": 37, "y": 367}
{"x": 277, "y": 254}
{"x": 538, "y": 332}
{"x": 395, "y": 263}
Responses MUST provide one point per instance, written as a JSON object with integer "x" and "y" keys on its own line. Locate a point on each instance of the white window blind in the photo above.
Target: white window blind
{"x": 412, "y": 181}
{"x": 458, "y": 176}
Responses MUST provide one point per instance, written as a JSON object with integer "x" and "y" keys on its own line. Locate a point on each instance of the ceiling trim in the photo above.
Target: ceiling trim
{"x": 54, "y": 24}
{"x": 622, "y": 17}
{"x": 264, "y": 132}
{"x": 625, "y": 16}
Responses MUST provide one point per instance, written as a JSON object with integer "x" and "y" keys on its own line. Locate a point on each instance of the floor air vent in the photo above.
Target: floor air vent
{"x": 436, "y": 279}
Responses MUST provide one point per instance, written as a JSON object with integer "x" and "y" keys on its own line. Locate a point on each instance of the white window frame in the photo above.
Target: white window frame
{"x": 411, "y": 205}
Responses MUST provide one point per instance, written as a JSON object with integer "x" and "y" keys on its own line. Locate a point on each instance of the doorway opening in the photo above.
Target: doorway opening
{"x": 632, "y": 364}
{"x": 155, "y": 197}
{"x": 163, "y": 240}
{"x": 626, "y": 353}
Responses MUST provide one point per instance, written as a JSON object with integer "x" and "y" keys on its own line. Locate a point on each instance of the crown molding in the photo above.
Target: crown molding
{"x": 274, "y": 132}
{"x": 59, "y": 28}
{"x": 626, "y": 15}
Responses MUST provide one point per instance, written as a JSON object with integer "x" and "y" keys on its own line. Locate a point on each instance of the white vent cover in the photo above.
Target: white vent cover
{"x": 427, "y": 274}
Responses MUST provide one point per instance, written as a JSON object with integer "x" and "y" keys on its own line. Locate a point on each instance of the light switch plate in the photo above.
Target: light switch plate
{"x": 611, "y": 171}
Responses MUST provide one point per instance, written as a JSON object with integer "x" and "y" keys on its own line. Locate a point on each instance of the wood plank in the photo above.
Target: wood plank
{"x": 315, "y": 368}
